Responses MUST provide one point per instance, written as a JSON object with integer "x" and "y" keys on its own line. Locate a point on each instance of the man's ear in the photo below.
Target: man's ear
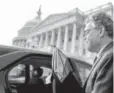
{"x": 102, "y": 31}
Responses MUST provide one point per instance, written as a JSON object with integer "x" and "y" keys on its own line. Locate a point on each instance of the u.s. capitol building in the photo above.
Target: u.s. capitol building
{"x": 64, "y": 30}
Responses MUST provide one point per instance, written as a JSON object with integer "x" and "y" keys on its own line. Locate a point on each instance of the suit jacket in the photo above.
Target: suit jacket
{"x": 100, "y": 79}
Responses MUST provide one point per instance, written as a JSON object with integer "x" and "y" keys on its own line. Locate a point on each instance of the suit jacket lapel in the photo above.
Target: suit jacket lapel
{"x": 95, "y": 63}
{"x": 97, "y": 60}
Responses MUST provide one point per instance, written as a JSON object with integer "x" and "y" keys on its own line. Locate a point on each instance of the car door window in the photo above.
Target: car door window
{"x": 17, "y": 74}
{"x": 47, "y": 74}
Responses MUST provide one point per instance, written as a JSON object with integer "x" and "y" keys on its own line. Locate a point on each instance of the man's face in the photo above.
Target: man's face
{"x": 92, "y": 38}
{"x": 35, "y": 73}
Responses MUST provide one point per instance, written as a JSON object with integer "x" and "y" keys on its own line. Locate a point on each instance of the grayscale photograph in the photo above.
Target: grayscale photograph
{"x": 56, "y": 46}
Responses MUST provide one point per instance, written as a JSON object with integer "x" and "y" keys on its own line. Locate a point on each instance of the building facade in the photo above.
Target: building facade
{"x": 64, "y": 30}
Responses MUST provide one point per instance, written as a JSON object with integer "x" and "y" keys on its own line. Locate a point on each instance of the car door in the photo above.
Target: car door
{"x": 15, "y": 59}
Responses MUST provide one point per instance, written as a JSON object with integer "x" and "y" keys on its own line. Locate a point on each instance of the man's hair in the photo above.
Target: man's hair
{"x": 40, "y": 71}
{"x": 102, "y": 19}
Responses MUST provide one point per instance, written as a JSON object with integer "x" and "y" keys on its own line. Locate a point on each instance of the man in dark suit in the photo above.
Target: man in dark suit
{"x": 99, "y": 38}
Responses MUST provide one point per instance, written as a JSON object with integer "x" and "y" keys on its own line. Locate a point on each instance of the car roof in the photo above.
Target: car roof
{"x": 8, "y": 49}
{"x": 9, "y": 54}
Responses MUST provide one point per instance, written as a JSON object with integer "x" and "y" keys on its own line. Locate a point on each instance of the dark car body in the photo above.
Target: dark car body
{"x": 12, "y": 56}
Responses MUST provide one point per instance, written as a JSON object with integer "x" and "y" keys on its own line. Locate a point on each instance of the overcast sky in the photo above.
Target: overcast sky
{"x": 15, "y": 13}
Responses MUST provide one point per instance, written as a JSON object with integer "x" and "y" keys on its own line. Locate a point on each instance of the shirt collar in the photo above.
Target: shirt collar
{"x": 101, "y": 50}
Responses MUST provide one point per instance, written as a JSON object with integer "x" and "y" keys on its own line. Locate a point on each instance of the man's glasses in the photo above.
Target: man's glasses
{"x": 86, "y": 32}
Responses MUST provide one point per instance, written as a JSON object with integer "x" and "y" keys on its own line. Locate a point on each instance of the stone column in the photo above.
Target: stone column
{"x": 59, "y": 38}
{"x": 66, "y": 38}
{"x": 46, "y": 40}
{"x": 35, "y": 41}
{"x": 24, "y": 43}
{"x": 19, "y": 43}
{"x": 14, "y": 43}
{"x": 73, "y": 39}
{"x": 41, "y": 41}
{"x": 38, "y": 40}
{"x": 30, "y": 40}
{"x": 81, "y": 42}
{"x": 52, "y": 37}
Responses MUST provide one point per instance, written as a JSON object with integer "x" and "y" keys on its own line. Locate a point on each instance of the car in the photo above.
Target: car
{"x": 16, "y": 71}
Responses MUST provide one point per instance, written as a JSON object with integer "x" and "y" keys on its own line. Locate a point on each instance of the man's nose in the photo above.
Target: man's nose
{"x": 85, "y": 37}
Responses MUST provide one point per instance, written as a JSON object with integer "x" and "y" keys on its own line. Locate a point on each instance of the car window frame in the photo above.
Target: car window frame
{"x": 19, "y": 61}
